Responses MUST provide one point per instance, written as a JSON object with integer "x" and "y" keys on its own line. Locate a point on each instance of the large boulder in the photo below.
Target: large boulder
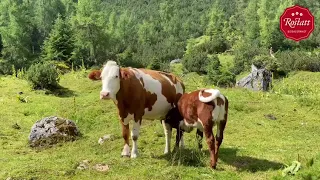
{"x": 257, "y": 80}
{"x": 51, "y": 130}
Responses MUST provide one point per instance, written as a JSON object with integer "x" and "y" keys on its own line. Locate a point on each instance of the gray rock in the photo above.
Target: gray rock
{"x": 105, "y": 138}
{"x": 51, "y": 130}
{"x": 83, "y": 165}
{"x": 101, "y": 167}
{"x": 257, "y": 80}
{"x": 175, "y": 61}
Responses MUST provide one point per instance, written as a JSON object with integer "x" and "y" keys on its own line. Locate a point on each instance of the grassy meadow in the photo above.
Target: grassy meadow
{"x": 254, "y": 146}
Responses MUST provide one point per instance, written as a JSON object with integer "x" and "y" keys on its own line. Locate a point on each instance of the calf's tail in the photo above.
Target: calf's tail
{"x": 208, "y": 95}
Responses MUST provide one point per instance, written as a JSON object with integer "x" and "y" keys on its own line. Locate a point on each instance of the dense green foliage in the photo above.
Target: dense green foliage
{"x": 43, "y": 76}
{"x": 147, "y": 33}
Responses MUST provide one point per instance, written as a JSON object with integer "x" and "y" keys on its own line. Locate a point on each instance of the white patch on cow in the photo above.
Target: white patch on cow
{"x": 218, "y": 129}
{"x": 167, "y": 132}
{"x": 189, "y": 127}
{"x": 126, "y": 150}
{"x": 214, "y": 94}
{"x": 219, "y": 111}
{"x": 110, "y": 77}
{"x": 179, "y": 88}
{"x": 127, "y": 119}
{"x": 161, "y": 106}
{"x": 135, "y": 134}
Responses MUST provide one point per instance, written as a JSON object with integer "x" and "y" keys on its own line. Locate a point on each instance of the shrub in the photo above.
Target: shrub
{"x": 196, "y": 61}
{"x": 127, "y": 58}
{"x": 264, "y": 61}
{"x": 159, "y": 65}
{"x": 217, "y": 76}
{"x": 43, "y": 76}
{"x": 244, "y": 53}
{"x": 298, "y": 60}
{"x": 216, "y": 44}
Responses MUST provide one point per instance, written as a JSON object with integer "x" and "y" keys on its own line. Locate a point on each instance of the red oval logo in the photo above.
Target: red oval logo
{"x": 297, "y": 23}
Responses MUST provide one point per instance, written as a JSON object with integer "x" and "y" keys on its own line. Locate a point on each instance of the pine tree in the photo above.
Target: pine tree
{"x": 59, "y": 45}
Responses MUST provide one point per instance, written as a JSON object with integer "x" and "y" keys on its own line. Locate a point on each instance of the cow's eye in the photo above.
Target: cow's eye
{"x": 116, "y": 76}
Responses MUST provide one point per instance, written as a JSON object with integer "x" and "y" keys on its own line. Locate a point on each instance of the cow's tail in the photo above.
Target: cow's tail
{"x": 208, "y": 95}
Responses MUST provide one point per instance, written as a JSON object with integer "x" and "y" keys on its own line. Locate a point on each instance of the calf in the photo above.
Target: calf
{"x": 201, "y": 109}
{"x": 139, "y": 94}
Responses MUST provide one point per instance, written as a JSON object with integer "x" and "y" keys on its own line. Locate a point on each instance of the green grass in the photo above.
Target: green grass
{"x": 254, "y": 147}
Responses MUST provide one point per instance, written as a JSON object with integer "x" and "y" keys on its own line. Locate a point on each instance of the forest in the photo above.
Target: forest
{"x": 150, "y": 33}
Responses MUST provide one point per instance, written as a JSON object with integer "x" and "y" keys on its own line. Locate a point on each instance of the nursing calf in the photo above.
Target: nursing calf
{"x": 201, "y": 109}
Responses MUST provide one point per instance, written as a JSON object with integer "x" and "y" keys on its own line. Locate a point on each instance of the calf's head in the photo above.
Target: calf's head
{"x": 174, "y": 117}
{"x": 110, "y": 77}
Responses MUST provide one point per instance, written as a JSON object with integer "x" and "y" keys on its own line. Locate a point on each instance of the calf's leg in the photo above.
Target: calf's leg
{"x": 199, "y": 136}
{"x": 179, "y": 138}
{"x": 125, "y": 135}
{"x": 167, "y": 132}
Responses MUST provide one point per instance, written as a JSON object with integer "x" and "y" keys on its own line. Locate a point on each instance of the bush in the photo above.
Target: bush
{"x": 127, "y": 59}
{"x": 43, "y": 76}
{"x": 268, "y": 62}
{"x": 216, "y": 44}
{"x": 298, "y": 60}
{"x": 159, "y": 66}
{"x": 196, "y": 62}
{"x": 217, "y": 76}
{"x": 244, "y": 54}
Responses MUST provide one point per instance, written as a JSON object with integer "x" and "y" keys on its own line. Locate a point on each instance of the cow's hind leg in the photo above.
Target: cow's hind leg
{"x": 135, "y": 135}
{"x": 167, "y": 132}
{"x": 125, "y": 135}
{"x": 199, "y": 136}
{"x": 207, "y": 127}
{"x": 219, "y": 137}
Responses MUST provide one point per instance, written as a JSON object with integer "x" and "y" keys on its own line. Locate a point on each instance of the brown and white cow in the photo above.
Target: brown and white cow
{"x": 201, "y": 109}
{"x": 140, "y": 94}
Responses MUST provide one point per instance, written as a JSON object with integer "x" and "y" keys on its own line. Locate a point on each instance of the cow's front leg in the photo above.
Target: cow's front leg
{"x": 167, "y": 133}
{"x": 135, "y": 135}
{"x": 125, "y": 135}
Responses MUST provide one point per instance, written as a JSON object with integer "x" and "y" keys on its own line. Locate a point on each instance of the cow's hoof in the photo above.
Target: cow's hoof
{"x": 134, "y": 155}
{"x": 166, "y": 152}
{"x": 125, "y": 151}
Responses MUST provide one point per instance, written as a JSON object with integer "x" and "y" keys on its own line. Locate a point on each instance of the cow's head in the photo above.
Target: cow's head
{"x": 110, "y": 77}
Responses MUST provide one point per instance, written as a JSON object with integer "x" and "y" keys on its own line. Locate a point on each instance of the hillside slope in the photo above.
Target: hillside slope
{"x": 254, "y": 146}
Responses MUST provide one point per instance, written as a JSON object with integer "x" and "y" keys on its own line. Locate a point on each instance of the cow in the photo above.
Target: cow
{"x": 140, "y": 94}
{"x": 201, "y": 109}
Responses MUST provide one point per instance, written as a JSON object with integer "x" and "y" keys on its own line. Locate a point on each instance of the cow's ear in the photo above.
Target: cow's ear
{"x": 124, "y": 74}
{"x": 95, "y": 75}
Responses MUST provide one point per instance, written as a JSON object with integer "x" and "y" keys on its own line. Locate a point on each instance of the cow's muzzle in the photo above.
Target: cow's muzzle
{"x": 104, "y": 95}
